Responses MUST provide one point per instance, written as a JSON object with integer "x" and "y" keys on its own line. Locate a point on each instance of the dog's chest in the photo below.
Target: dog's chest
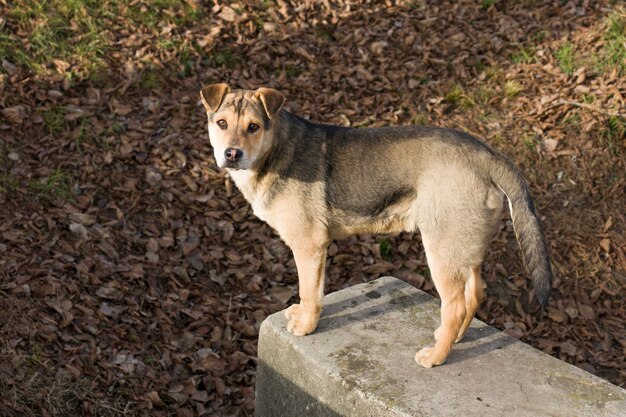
{"x": 247, "y": 184}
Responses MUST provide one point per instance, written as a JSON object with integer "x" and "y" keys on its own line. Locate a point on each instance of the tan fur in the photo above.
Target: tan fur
{"x": 315, "y": 183}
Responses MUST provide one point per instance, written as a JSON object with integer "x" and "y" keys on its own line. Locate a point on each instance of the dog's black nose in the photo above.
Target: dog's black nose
{"x": 233, "y": 154}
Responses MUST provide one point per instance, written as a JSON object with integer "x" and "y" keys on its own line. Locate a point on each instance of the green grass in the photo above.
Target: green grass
{"x": 224, "y": 58}
{"x": 565, "y": 57}
{"x": 82, "y": 136}
{"x": 73, "y": 37}
{"x": 58, "y": 30}
{"x": 152, "y": 78}
{"x": 613, "y": 55}
{"x": 292, "y": 71}
{"x": 486, "y": 4}
{"x": 114, "y": 129}
{"x": 454, "y": 94}
{"x": 153, "y": 13}
{"x": 512, "y": 88}
{"x": 589, "y": 98}
{"x": 572, "y": 120}
{"x": 530, "y": 141}
{"x": 386, "y": 250}
{"x": 419, "y": 119}
{"x": 425, "y": 272}
{"x": 484, "y": 94}
{"x": 54, "y": 119}
{"x": 613, "y": 133}
{"x": 7, "y": 183}
{"x": 457, "y": 97}
{"x": 57, "y": 186}
{"x": 525, "y": 55}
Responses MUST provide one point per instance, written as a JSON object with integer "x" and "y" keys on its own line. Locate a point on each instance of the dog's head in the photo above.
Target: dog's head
{"x": 241, "y": 123}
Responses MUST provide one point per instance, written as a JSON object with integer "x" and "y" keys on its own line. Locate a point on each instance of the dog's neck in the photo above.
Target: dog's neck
{"x": 246, "y": 180}
{"x": 288, "y": 132}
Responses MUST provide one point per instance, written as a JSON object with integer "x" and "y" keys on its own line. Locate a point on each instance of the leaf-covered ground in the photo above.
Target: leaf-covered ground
{"x": 133, "y": 275}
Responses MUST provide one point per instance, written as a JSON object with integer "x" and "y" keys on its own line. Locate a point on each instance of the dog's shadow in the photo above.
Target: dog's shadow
{"x": 338, "y": 314}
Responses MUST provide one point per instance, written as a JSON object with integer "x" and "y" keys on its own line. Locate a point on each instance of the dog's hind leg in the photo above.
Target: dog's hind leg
{"x": 303, "y": 317}
{"x": 473, "y": 298}
{"x": 450, "y": 287}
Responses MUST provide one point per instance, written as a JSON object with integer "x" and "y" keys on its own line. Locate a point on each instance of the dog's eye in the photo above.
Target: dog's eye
{"x": 253, "y": 127}
{"x": 222, "y": 124}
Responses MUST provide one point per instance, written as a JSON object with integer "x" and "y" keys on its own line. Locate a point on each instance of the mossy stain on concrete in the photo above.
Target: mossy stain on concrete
{"x": 358, "y": 370}
{"x": 585, "y": 391}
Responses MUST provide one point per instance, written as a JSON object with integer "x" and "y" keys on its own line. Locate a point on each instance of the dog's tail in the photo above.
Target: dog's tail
{"x": 526, "y": 225}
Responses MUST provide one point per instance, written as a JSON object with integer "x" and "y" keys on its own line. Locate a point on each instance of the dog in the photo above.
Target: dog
{"x": 314, "y": 183}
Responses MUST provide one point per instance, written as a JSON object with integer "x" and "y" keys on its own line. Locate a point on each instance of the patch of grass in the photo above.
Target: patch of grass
{"x": 512, "y": 88}
{"x": 10, "y": 50}
{"x": 54, "y": 119}
{"x": 419, "y": 119}
{"x": 479, "y": 66}
{"x": 565, "y": 57}
{"x": 530, "y": 141}
{"x": 458, "y": 97}
{"x": 114, "y": 129}
{"x": 613, "y": 55}
{"x": 152, "y": 14}
{"x": 539, "y": 36}
{"x": 454, "y": 95}
{"x": 57, "y": 186}
{"x": 525, "y": 55}
{"x": 58, "y": 30}
{"x": 497, "y": 137}
{"x": 224, "y": 58}
{"x": 72, "y": 37}
{"x": 81, "y": 136}
{"x": 268, "y": 4}
{"x": 572, "y": 119}
{"x": 613, "y": 133}
{"x": 492, "y": 72}
{"x": 7, "y": 183}
{"x": 486, "y": 4}
{"x": 322, "y": 34}
{"x": 484, "y": 94}
{"x": 467, "y": 102}
{"x": 37, "y": 356}
{"x": 589, "y": 98}
{"x": 29, "y": 385}
{"x": 151, "y": 79}
{"x": 425, "y": 272}
{"x": 386, "y": 250}
{"x": 292, "y": 71}
{"x": 151, "y": 360}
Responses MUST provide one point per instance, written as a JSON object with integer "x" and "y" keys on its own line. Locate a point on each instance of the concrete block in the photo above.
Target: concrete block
{"x": 359, "y": 362}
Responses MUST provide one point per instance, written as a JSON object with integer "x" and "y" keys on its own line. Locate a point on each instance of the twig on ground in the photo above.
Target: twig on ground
{"x": 590, "y": 107}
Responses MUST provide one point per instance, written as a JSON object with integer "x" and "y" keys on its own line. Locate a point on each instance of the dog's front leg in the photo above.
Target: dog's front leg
{"x": 303, "y": 317}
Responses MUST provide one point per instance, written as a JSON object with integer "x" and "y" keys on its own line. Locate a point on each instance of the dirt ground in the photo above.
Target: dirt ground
{"x": 133, "y": 275}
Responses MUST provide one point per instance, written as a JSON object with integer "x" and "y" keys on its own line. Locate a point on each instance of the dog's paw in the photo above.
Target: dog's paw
{"x": 427, "y": 358}
{"x": 301, "y": 322}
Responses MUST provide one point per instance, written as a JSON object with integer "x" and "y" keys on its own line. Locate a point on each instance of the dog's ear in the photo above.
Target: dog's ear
{"x": 271, "y": 99}
{"x": 212, "y": 95}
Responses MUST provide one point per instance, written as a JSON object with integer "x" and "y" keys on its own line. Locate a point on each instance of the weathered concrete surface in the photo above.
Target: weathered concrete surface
{"x": 359, "y": 362}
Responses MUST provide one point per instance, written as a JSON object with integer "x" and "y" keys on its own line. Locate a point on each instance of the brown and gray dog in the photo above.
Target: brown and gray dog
{"x": 314, "y": 183}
